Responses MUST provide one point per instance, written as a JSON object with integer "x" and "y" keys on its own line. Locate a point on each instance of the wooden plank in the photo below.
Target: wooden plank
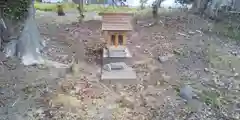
{"x": 105, "y": 36}
{"x": 116, "y": 39}
{"x": 124, "y": 38}
{"x": 116, "y": 21}
{"x": 109, "y": 39}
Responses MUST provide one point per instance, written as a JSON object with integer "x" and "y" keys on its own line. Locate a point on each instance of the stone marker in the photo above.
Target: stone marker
{"x": 186, "y": 93}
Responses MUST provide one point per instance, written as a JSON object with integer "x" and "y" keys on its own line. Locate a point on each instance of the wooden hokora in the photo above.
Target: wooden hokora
{"x": 116, "y": 56}
{"x": 115, "y": 26}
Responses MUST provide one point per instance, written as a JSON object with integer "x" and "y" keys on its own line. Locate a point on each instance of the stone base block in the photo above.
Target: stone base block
{"x": 125, "y": 76}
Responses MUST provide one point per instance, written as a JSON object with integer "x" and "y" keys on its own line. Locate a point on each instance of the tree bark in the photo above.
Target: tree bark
{"x": 196, "y": 6}
{"x": 29, "y": 45}
{"x": 114, "y": 3}
{"x": 155, "y": 6}
{"x": 199, "y": 6}
{"x": 81, "y": 10}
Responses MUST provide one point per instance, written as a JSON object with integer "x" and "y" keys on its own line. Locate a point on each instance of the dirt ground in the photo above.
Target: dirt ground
{"x": 191, "y": 55}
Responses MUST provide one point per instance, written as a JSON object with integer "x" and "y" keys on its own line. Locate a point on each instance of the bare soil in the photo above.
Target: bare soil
{"x": 202, "y": 60}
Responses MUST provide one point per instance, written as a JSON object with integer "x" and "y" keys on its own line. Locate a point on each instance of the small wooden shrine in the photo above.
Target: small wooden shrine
{"x": 115, "y": 27}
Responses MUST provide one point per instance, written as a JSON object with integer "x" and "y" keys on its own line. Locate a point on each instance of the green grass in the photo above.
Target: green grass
{"x": 87, "y": 8}
{"x": 47, "y": 6}
{"x": 228, "y": 30}
{"x": 212, "y": 98}
{"x": 220, "y": 61}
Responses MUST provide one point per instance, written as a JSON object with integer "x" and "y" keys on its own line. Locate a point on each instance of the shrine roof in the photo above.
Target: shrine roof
{"x": 116, "y": 21}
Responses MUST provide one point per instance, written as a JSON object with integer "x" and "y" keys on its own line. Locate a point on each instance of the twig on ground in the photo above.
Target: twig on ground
{"x": 182, "y": 34}
{"x": 15, "y": 102}
{"x": 149, "y": 24}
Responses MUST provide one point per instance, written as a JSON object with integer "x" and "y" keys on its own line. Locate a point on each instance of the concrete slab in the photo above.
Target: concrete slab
{"x": 125, "y": 76}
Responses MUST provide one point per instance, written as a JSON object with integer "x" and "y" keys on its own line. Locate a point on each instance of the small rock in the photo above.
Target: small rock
{"x": 2, "y": 91}
{"x": 234, "y": 53}
{"x": 162, "y": 58}
{"x": 165, "y": 58}
{"x": 236, "y": 116}
{"x": 191, "y": 32}
{"x": 66, "y": 29}
{"x": 206, "y": 69}
{"x": 73, "y": 92}
{"x": 145, "y": 51}
{"x": 138, "y": 46}
{"x": 182, "y": 34}
{"x": 107, "y": 67}
{"x": 236, "y": 74}
{"x": 186, "y": 93}
{"x": 237, "y": 107}
{"x": 41, "y": 66}
{"x": 166, "y": 77}
{"x": 40, "y": 111}
{"x": 77, "y": 89}
{"x": 177, "y": 52}
{"x": 199, "y": 31}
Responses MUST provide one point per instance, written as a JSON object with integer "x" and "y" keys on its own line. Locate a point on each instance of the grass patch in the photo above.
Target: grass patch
{"x": 229, "y": 30}
{"x": 47, "y": 6}
{"x": 87, "y": 8}
{"x": 221, "y": 61}
{"x": 211, "y": 98}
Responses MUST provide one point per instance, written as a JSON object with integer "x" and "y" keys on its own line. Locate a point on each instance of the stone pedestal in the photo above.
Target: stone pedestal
{"x": 116, "y": 61}
{"x": 125, "y": 74}
{"x": 116, "y": 54}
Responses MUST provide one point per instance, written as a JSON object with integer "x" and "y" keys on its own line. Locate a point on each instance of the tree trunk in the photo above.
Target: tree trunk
{"x": 142, "y": 4}
{"x": 199, "y": 6}
{"x": 81, "y": 10}
{"x": 114, "y": 3}
{"x": 155, "y": 6}
{"x": 196, "y": 6}
{"x": 29, "y": 45}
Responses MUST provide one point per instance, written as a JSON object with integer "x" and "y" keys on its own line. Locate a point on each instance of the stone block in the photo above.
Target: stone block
{"x": 110, "y": 59}
{"x": 126, "y": 75}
